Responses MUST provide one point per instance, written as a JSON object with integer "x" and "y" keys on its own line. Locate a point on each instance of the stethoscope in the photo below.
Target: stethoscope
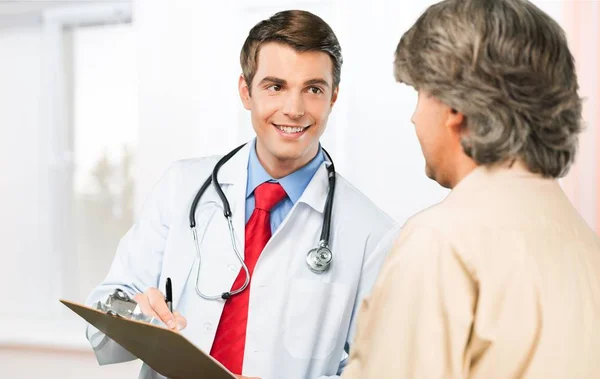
{"x": 318, "y": 259}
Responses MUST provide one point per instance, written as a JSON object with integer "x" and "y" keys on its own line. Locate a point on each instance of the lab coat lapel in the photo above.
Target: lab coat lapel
{"x": 315, "y": 193}
{"x": 314, "y": 196}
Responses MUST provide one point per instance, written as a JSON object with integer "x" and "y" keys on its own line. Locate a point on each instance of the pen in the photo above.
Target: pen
{"x": 169, "y": 293}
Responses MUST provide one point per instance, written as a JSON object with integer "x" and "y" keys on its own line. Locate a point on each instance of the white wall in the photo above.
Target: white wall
{"x": 381, "y": 155}
{"x": 187, "y": 101}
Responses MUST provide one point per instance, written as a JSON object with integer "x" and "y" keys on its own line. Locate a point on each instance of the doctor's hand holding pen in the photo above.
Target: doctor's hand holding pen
{"x": 153, "y": 303}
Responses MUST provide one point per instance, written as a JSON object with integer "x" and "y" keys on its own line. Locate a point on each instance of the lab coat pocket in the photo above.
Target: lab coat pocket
{"x": 313, "y": 318}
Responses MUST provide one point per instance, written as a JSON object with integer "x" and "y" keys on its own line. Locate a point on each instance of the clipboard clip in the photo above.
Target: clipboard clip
{"x": 119, "y": 304}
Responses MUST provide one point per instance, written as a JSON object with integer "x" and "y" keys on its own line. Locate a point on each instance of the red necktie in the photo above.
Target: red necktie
{"x": 230, "y": 338}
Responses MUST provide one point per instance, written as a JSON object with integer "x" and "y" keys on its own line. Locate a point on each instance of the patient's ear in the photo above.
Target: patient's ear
{"x": 455, "y": 122}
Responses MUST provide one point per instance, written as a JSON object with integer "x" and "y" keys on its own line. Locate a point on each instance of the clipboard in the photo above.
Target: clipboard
{"x": 165, "y": 351}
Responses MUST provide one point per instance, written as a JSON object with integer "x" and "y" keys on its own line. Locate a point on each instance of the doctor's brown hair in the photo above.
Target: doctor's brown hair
{"x": 301, "y": 30}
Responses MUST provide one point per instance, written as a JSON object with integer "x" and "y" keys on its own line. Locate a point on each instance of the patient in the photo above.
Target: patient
{"x": 502, "y": 278}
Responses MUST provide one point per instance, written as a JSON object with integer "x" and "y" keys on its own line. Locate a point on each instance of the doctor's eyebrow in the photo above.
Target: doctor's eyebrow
{"x": 272, "y": 80}
{"x": 281, "y": 82}
{"x": 313, "y": 82}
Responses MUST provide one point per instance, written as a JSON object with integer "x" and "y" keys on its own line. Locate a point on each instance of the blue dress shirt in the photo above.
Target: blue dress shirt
{"x": 294, "y": 185}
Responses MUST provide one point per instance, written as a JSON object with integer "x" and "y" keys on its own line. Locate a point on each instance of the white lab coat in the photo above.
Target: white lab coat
{"x": 300, "y": 324}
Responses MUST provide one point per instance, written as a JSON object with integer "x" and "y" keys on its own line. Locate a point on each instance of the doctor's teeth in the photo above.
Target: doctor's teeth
{"x": 290, "y": 129}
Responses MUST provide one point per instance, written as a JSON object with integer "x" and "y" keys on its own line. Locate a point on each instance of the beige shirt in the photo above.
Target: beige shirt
{"x": 500, "y": 280}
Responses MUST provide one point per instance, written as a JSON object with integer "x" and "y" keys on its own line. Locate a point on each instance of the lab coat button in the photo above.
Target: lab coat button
{"x": 231, "y": 268}
{"x": 207, "y": 327}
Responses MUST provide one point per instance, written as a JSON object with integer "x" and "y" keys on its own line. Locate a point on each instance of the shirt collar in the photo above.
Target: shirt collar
{"x": 294, "y": 184}
{"x": 484, "y": 175}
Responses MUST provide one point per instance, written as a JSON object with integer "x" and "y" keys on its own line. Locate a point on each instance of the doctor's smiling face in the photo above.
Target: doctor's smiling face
{"x": 289, "y": 87}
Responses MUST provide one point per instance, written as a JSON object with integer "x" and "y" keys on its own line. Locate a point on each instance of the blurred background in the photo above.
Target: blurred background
{"x": 98, "y": 97}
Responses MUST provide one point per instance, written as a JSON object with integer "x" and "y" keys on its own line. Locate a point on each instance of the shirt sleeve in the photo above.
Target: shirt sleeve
{"x": 417, "y": 322}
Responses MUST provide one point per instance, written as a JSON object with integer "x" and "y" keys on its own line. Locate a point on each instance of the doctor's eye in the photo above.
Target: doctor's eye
{"x": 274, "y": 88}
{"x": 315, "y": 90}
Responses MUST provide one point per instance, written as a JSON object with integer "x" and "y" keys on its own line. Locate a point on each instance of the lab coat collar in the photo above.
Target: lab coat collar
{"x": 235, "y": 172}
{"x": 315, "y": 193}
{"x": 484, "y": 176}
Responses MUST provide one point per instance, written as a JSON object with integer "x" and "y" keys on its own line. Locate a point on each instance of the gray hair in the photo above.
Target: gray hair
{"x": 506, "y": 66}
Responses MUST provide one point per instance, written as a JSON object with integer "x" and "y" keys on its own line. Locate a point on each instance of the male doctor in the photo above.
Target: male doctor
{"x": 289, "y": 321}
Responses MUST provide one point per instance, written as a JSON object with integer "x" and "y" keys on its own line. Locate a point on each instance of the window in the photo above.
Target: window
{"x": 104, "y": 116}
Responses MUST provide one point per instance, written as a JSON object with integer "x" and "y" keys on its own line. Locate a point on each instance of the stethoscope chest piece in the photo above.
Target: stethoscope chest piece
{"x": 319, "y": 258}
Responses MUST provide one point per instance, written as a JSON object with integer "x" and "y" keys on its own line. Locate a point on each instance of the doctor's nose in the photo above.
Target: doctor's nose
{"x": 294, "y": 107}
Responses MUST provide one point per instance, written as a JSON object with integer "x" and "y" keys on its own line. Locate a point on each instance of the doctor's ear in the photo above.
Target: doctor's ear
{"x": 334, "y": 97}
{"x": 244, "y": 91}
